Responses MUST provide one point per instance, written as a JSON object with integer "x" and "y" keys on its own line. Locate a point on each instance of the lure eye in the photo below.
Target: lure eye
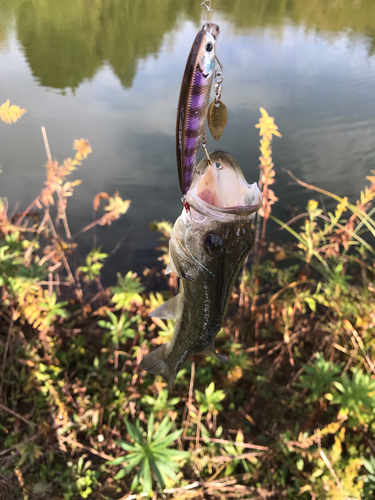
{"x": 209, "y": 47}
{"x": 213, "y": 243}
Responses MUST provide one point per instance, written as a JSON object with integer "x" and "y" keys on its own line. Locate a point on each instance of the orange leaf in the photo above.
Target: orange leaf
{"x": 98, "y": 197}
{"x": 82, "y": 147}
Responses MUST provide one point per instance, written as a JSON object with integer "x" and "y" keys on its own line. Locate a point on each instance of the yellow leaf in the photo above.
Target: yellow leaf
{"x": 267, "y": 126}
{"x": 305, "y": 488}
{"x": 10, "y": 114}
{"x": 235, "y": 375}
{"x": 239, "y": 437}
{"x": 82, "y": 147}
{"x": 312, "y": 205}
{"x": 341, "y": 207}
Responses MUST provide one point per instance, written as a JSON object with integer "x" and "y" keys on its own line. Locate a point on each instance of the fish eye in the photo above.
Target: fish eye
{"x": 209, "y": 47}
{"x": 213, "y": 243}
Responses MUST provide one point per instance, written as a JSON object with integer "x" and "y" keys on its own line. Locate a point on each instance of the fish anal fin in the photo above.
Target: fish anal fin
{"x": 222, "y": 358}
{"x": 211, "y": 351}
{"x": 156, "y": 362}
{"x": 169, "y": 310}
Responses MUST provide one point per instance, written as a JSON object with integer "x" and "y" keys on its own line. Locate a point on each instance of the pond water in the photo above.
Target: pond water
{"x": 110, "y": 71}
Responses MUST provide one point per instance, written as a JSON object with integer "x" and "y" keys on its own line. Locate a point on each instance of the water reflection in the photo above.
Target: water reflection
{"x": 66, "y": 42}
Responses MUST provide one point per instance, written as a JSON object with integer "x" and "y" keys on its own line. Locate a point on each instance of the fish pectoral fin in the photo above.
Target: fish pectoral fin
{"x": 169, "y": 310}
{"x": 211, "y": 351}
{"x": 155, "y": 362}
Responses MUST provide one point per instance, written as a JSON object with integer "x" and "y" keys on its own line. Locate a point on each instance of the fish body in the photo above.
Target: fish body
{"x": 193, "y": 102}
{"x": 209, "y": 243}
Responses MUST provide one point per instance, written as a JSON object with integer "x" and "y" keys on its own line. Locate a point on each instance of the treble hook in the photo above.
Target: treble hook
{"x": 218, "y": 165}
{"x": 204, "y": 142}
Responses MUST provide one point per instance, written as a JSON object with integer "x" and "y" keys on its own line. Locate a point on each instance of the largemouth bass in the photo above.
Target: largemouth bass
{"x": 209, "y": 243}
{"x": 193, "y": 102}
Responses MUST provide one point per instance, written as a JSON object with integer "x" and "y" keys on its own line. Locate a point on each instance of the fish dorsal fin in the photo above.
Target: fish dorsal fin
{"x": 211, "y": 351}
{"x": 169, "y": 310}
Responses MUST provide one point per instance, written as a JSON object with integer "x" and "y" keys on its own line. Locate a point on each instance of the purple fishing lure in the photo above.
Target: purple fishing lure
{"x": 193, "y": 102}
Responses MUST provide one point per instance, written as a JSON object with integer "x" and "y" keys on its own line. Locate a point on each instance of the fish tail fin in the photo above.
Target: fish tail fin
{"x": 155, "y": 362}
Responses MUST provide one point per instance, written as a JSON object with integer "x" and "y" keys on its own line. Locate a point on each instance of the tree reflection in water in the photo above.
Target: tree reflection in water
{"x": 67, "y": 42}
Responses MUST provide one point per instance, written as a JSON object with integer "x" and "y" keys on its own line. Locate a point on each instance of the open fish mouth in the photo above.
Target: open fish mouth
{"x": 219, "y": 189}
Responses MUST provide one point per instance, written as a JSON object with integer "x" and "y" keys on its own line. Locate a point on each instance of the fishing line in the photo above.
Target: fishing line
{"x": 206, "y": 10}
{"x": 192, "y": 256}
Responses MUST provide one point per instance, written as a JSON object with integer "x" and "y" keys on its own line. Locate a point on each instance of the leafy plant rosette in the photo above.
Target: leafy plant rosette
{"x": 150, "y": 451}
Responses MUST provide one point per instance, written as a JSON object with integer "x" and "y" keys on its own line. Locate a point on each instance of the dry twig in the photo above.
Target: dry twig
{"x": 17, "y": 415}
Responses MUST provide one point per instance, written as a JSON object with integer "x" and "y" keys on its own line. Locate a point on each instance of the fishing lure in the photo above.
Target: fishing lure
{"x": 193, "y": 102}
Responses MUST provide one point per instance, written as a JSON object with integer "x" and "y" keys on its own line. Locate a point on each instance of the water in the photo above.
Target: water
{"x": 110, "y": 71}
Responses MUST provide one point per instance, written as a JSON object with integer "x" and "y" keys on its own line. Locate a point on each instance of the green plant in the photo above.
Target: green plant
{"x": 166, "y": 330}
{"x": 85, "y": 478}
{"x": 51, "y": 308}
{"x": 151, "y": 452}
{"x": 369, "y": 478}
{"x": 29, "y": 452}
{"x": 119, "y": 329}
{"x": 162, "y": 403}
{"x": 127, "y": 291}
{"x": 233, "y": 452}
{"x": 210, "y": 400}
{"x": 94, "y": 264}
{"x": 355, "y": 396}
{"x": 319, "y": 377}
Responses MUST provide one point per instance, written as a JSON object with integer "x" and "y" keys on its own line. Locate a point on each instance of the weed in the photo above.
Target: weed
{"x": 118, "y": 328}
{"x": 152, "y": 453}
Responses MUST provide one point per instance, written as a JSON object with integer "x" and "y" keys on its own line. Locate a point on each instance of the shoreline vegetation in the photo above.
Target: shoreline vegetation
{"x": 291, "y": 416}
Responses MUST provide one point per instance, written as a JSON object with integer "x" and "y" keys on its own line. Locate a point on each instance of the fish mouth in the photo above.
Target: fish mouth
{"x": 219, "y": 189}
